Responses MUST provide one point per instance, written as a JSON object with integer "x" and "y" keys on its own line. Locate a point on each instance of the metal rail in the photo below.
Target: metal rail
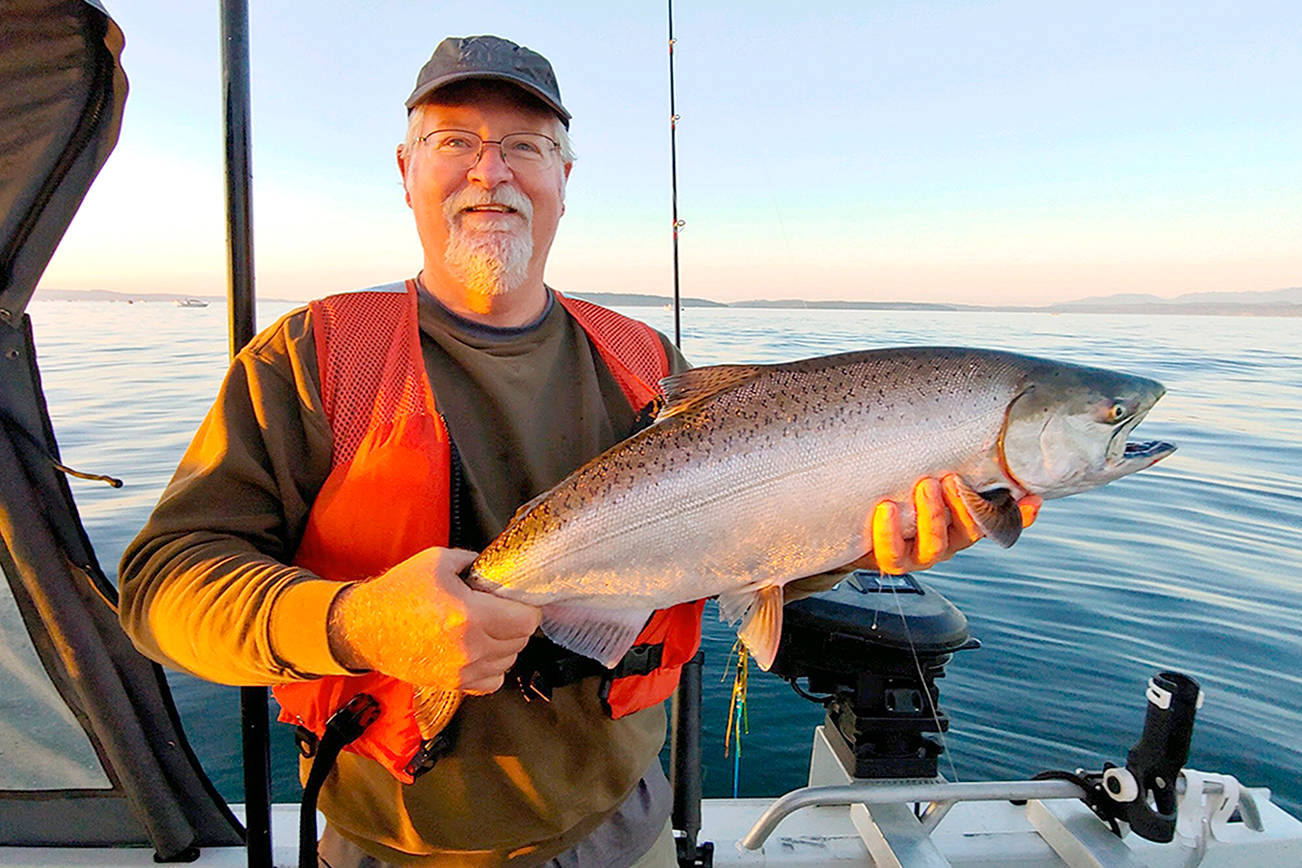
{"x": 903, "y": 793}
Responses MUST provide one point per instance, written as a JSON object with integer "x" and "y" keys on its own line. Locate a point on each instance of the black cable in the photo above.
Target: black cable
{"x": 343, "y": 728}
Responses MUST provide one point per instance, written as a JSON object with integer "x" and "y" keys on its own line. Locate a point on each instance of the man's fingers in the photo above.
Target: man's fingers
{"x": 889, "y": 547}
{"x": 458, "y": 559}
{"x": 1029, "y": 506}
{"x": 933, "y": 522}
{"x": 485, "y": 674}
{"x": 484, "y": 685}
{"x": 506, "y": 619}
{"x": 961, "y": 520}
{"x": 485, "y": 647}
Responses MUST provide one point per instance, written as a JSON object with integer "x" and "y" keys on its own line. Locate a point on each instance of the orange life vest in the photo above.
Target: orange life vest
{"x": 392, "y": 457}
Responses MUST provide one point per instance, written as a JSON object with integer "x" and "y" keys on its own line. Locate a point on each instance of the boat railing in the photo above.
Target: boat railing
{"x": 896, "y": 827}
{"x": 939, "y": 796}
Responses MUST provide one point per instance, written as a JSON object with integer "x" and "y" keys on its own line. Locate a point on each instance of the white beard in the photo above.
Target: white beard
{"x": 489, "y": 263}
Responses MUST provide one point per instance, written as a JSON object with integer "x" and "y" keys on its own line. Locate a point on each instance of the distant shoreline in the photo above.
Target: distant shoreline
{"x": 614, "y": 299}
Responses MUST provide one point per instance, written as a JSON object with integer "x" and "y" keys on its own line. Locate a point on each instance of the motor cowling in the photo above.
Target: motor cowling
{"x": 870, "y": 650}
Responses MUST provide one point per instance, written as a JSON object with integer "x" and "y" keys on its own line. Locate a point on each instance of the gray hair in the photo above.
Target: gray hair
{"x": 416, "y": 126}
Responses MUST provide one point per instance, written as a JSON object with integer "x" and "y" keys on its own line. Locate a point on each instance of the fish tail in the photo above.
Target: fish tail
{"x": 433, "y": 709}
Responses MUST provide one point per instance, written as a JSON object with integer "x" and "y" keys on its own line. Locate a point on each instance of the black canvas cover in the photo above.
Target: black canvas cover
{"x": 91, "y": 750}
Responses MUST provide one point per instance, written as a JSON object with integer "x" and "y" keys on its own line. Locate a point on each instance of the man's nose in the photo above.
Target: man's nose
{"x": 490, "y": 169}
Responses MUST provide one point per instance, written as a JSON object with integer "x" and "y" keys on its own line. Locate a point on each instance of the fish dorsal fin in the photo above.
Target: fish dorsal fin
{"x": 528, "y": 505}
{"x": 761, "y": 621}
{"x": 686, "y": 390}
{"x": 995, "y": 512}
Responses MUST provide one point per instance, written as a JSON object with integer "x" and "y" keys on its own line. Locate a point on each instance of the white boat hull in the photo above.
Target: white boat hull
{"x": 973, "y": 834}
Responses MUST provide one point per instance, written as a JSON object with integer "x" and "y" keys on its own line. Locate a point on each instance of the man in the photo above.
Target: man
{"x": 358, "y": 452}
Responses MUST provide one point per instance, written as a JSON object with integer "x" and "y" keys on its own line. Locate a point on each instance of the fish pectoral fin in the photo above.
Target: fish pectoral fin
{"x": 761, "y": 629}
{"x": 686, "y": 390}
{"x": 603, "y": 634}
{"x": 734, "y": 606}
{"x": 995, "y": 512}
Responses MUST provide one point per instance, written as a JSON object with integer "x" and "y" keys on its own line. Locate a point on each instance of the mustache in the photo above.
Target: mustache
{"x": 506, "y": 195}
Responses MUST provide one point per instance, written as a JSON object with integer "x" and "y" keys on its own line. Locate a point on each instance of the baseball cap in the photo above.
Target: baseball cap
{"x": 458, "y": 58}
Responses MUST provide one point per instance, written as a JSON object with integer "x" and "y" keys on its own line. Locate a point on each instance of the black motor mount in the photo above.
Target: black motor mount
{"x": 871, "y": 649}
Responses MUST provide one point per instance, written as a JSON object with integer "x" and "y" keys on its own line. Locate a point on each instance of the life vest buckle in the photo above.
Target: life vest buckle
{"x": 347, "y": 724}
{"x": 640, "y": 660}
{"x": 431, "y": 750}
{"x": 306, "y": 740}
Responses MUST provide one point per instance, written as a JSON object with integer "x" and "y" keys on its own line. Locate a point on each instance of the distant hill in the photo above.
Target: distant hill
{"x": 801, "y": 303}
{"x": 1276, "y": 302}
{"x": 1289, "y": 296}
{"x": 133, "y": 297}
{"x": 635, "y": 299}
{"x": 110, "y": 295}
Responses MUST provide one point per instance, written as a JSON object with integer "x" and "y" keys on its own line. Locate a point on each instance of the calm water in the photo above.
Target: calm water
{"x": 1194, "y": 565}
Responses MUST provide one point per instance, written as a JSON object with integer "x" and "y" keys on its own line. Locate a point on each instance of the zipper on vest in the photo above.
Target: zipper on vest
{"x": 457, "y": 486}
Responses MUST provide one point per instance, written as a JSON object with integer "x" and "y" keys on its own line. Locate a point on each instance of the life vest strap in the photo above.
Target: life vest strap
{"x": 544, "y": 666}
{"x": 343, "y": 728}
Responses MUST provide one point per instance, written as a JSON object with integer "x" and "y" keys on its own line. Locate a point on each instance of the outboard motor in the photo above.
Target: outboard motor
{"x": 871, "y": 650}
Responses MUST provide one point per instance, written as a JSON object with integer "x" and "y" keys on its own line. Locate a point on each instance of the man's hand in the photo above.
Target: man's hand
{"x": 944, "y": 528}
{"x": 421, "y": 623}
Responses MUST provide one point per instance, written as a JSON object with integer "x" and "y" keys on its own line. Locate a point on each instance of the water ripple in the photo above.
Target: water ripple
{"x": 1194, "y": 565}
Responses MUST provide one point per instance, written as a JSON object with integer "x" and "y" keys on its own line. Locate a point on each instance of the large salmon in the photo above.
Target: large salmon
{"x": 755, "y": 475}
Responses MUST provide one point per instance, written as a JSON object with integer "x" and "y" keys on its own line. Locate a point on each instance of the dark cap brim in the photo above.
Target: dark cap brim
{"x": 422, "y": 93}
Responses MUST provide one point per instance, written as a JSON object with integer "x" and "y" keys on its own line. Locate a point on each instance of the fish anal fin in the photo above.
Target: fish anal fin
{"x": 687, "y": 389}
{"x": 995, "y": 512}
{"x": 603, "y": 634}
{"x": 761, "y": 631}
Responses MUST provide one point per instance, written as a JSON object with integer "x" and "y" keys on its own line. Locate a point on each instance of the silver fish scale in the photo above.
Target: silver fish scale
{"x": 768, "y": 481}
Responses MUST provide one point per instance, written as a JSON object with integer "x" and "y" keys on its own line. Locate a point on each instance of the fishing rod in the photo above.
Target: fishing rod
{"x": 254, "y": 723}
{"x": 685, "y": 711}
{"x": 673, "y": 174}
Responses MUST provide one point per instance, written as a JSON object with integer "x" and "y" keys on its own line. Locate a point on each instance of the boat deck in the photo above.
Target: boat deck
{"x": 973, "y": 835}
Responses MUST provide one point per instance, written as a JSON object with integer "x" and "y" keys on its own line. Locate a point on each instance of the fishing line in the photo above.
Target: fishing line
{"x": 738, "y": 714}
{"x": 935, "y": 712}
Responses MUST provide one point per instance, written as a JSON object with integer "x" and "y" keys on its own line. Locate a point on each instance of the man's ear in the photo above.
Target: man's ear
{"x": 401, "y": 156}
{"x": 564, "y": 183}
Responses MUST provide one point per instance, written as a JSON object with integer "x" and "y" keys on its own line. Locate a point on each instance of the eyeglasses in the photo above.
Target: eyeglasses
{"x": 522, "y": 152}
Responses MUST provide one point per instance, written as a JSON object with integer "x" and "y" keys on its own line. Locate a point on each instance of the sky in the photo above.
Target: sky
{"x": 1002, "y": 152}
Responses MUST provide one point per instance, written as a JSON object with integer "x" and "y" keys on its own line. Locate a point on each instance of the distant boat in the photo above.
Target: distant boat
{"x": 191, "y": 302}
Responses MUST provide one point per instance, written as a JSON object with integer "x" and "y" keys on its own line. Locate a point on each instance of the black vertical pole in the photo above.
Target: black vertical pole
{"x": 685, "y": 760}
{"x": 239, "y": 201}
{"x": 673, "y": 173}
{"x": 685, "y": 713}
{"x": 239, "y": 295}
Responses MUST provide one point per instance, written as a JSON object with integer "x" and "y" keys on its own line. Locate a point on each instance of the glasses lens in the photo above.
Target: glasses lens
{"x": 531, "y": 150}
{"x": 457, "y": 146}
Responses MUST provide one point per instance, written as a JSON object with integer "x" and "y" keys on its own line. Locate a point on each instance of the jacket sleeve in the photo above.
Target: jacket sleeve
{"x": 207, "y": 586}
{"x": 677, "y": 362}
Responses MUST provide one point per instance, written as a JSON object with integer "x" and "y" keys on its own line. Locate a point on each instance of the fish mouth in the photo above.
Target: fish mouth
{"x": 1143, "y": 449}
{"x": 1125, "y": 456}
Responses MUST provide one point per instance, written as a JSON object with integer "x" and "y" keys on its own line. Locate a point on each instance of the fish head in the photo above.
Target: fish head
{"x": 1067, "y": 430}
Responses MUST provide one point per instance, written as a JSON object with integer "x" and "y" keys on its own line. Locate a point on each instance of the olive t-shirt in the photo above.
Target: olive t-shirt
{"x": 207, "y": 586}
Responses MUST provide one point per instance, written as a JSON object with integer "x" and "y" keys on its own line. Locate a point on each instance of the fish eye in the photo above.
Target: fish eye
{"x": 1116, "y": 412}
